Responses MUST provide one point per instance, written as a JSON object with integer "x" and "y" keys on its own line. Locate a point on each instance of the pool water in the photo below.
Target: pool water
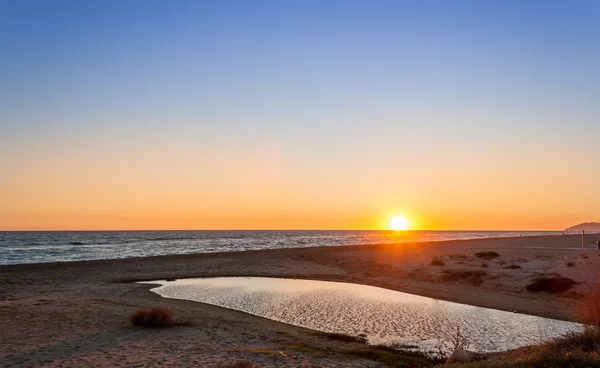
{"x": 384, "y": 316}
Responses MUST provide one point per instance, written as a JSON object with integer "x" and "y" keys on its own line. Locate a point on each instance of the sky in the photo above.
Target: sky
{"x": 477, "y": 115}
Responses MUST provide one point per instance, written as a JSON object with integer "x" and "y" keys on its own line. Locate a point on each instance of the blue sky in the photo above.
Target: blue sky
{"x": 358, "y": 85}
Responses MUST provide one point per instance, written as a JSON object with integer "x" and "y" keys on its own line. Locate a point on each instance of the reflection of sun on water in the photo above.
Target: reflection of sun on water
{"x": 399, "y": 223}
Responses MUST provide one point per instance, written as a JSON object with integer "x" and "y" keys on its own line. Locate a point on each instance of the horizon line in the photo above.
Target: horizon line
{"x": 386, "y": 230}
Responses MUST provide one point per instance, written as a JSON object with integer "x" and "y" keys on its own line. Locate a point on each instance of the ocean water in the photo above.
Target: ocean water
{"x": 18, "y": 247}
{"x": 382, "y": 315}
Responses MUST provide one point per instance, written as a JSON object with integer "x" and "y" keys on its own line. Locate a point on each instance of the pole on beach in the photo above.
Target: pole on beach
{"x": 582, "y": 238}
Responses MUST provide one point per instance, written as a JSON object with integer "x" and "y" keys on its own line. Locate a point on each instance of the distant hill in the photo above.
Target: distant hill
{"x": 587, "y": 226}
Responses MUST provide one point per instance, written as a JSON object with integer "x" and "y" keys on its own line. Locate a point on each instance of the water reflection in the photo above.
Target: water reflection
{"x": 383, "y": 315}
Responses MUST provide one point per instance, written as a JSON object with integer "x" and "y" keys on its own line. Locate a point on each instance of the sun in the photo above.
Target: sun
{"x": 399, "y": 223}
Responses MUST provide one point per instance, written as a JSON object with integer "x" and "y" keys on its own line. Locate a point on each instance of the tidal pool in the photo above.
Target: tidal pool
{"x": 384, "y": 316}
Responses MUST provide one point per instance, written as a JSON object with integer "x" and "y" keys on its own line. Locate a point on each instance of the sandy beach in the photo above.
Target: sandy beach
{"x": 76, "y": 313}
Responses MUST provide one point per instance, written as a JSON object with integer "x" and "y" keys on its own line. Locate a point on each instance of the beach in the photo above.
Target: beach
{"x": 76, "y": 313}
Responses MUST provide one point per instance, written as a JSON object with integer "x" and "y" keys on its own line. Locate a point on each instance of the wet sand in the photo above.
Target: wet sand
{"x": 75, "y": 313}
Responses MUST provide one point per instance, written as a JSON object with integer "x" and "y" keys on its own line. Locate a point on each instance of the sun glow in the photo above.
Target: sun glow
{"x": 399, "y": 223}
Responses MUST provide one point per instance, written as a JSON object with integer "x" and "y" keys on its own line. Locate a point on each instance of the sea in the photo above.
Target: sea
{"x": 20, "y": 247}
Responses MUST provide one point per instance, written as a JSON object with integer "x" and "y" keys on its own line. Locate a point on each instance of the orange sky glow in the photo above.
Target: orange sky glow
{"x": 257, "y": 187}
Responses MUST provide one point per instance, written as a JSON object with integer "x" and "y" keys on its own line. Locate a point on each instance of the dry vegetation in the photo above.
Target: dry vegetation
{"x": 153, "y": 317}
{"x": 475, "y": 277}
{"x": 572, "y": 350}
{"x": 589, "y": 311}
{"x": 552, "y": 285}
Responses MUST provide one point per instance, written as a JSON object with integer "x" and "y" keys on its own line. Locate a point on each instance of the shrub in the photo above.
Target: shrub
{"x": 588, "y": 340}
{"x": 512, "y": 267}
{"x": 437, "y": 261}
{"x": 152, "y": 317}
{"x": 239, "y": 364}
{"x": 487, "y": 255}
{"x": 570, "y": 264}
{"x": 551, "y": 285}
{"x": 475, "y": 277}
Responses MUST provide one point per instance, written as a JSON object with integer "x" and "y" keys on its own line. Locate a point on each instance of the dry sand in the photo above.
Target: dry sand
{"x": 75, "y": 314}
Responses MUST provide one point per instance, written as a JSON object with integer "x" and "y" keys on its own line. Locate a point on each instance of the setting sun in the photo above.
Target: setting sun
{"x": 399, "y": 223}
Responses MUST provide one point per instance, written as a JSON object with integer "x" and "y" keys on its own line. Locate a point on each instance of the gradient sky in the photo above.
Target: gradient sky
{"x": 299, "y": 114}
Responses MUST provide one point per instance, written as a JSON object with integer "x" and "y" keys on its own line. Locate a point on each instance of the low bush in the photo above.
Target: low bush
{"x": 550, "y": 285}
{"x": 437, "y": 261}
{"x": 153, "y": 317}
{"x": 587, "y": 341}
{"x": 487, "y": 255}
{"x": 475, "y": 277}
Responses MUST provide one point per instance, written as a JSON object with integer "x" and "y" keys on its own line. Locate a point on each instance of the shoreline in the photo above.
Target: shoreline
{"x": 89, "y": 301}
{"x": 423, "y": 242}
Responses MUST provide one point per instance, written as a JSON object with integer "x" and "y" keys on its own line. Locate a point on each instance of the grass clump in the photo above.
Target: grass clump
{"x": 153, "y": 317}
{"x": 475, "y": 277}
{"x": 437, "y": 261}
{"x": 487, "y": 255}
{"x": 552, "y": 285}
